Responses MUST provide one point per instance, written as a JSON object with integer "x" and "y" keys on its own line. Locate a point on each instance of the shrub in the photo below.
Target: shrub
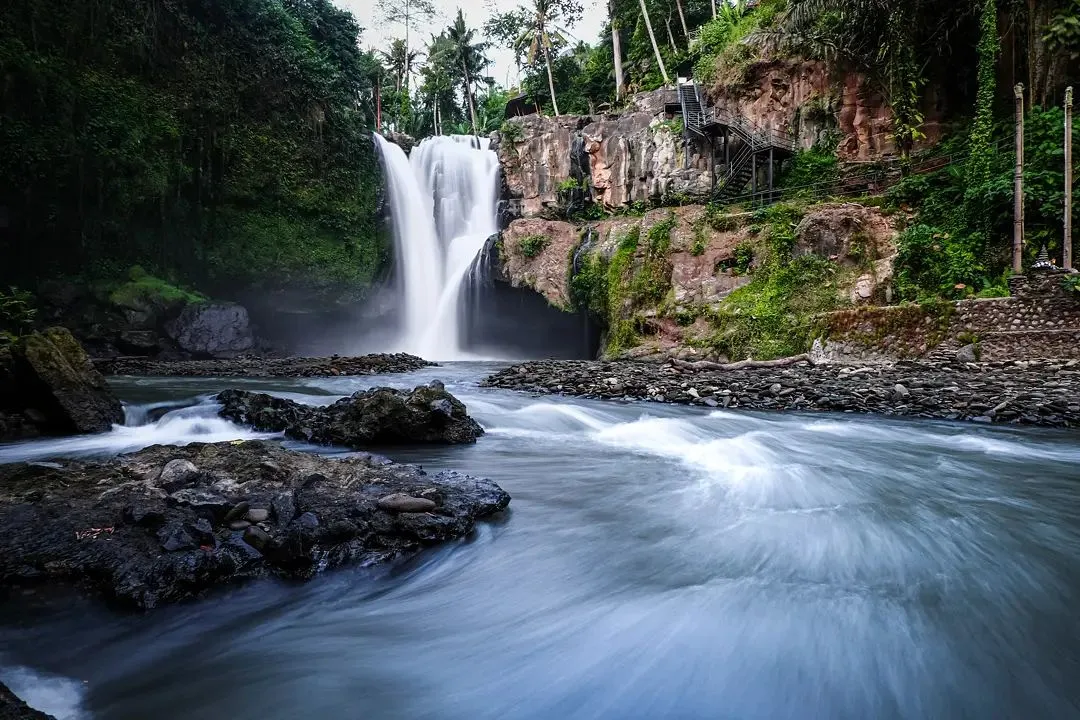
{"x": 533, "y": 245}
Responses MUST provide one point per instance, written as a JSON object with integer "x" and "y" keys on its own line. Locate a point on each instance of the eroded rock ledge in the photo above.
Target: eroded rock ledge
{"x": 1032, "y": 393}
{"x": 167, "y": 523}
{"x": 267, "y": 367}
{"x": 379, "y": 416}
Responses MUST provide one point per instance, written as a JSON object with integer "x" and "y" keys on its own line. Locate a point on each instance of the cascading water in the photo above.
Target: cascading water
{"x": 444, "y": 201}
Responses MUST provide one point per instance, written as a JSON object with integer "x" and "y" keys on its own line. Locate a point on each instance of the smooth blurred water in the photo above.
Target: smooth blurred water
{"x": 657, "y": 562}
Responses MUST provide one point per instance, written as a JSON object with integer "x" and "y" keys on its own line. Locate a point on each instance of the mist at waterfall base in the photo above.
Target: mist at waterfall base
{"x": 657, "y": 561}
{"x": 444, "y": 301}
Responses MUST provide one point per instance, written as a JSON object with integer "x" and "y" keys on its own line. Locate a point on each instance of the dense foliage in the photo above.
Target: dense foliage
{"x": 214, "y": 141}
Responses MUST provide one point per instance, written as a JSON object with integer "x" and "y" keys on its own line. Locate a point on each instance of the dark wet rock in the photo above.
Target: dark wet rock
{"x": 258, "y": 515}
{"x": 381, "y": 416}
{"x": 406, "y": 503}
{"x": 265, "y": 367}
{"x": 214, "y": 329}
{"x": 49, "y": 387}
{"x": 1039, "y": 392}
{"x": 107, "y": 526}
{"x": 176, "y": 474}
{"x": 12, "y": 708}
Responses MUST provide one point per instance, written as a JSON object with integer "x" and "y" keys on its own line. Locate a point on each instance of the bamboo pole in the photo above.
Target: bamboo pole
{"x": 1067, "y": 246}
{"x": 1018, "y": 184}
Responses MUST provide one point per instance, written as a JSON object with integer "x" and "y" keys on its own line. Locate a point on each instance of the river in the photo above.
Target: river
{"x": 657, "y": 562}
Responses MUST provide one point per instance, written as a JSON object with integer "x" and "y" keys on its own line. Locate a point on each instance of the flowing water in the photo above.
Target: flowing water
{"x": 657, "y": 562}
{"x": 443, "y": 202}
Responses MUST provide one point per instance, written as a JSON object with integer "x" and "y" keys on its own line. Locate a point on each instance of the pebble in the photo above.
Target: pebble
{"x": 257, "y": 515}
{"x": 399, "y": 502}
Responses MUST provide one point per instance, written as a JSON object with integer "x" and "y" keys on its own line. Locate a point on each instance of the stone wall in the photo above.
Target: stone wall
{"x": 1040, "y": 320}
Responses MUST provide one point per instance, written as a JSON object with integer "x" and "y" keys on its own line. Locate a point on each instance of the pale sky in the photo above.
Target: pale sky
{"x": 377, "y": 34}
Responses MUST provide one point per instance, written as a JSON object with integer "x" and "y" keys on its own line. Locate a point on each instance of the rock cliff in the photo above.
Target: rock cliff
{"x": 635, "y": 157}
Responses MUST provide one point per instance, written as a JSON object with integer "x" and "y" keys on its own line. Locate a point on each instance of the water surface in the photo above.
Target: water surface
{"x": 657, "y": 562}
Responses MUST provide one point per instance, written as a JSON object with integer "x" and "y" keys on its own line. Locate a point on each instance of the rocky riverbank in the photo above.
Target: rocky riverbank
{"x": 167, "y": 523}
{"x": 375, "y": 364}
{"x": 1032, "y": 393}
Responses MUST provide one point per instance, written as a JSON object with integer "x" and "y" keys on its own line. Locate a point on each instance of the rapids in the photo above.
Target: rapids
{"x": 656, "y": 562}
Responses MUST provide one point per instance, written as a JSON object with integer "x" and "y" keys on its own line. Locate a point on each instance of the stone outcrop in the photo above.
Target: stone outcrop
{"x": 545, "y": 267}
{"x": 380, "y": 416}
{"x": 624, "y": 159}
{"x": 49, "y": 387}
{"x": 857, "y": 237}
{"x": 225, "y": 513}
{"x": 212, "y": 329}
{"x": 809, "y": 99}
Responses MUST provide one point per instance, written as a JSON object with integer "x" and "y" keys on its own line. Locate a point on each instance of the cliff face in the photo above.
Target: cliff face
{"x": 812, "y": 100}
{"x": 635, "y": 157}
{"x": 683, "y": 262}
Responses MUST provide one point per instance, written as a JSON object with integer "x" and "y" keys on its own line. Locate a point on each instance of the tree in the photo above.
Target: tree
{"x": 616, "y": 50}
{"x": 468, "y": 57}
{"x": 652, "y": 39}
{"x": 407, "y": 13}
{"x": 542, "y": 36}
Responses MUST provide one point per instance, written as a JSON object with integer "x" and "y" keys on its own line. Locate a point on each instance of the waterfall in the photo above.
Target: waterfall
{"x": 444, "y": 202}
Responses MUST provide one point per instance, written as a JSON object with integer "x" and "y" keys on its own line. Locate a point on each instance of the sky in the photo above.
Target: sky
{"x": 377, "y": 34}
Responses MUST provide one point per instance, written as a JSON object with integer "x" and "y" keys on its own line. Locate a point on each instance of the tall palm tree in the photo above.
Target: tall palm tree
{"x": 616, "y": 49}
{"x": 469, "y": 58}
{"x": 652, "y": 39}
{"x": 542, "y": 37}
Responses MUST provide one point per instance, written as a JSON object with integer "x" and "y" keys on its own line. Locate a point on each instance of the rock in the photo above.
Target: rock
{"x": 405, "y": 503}
{"x": 13, "y": 708}
{"x": 147, "y": 564}
{"x": 258, "y": 515}
{"x": 238, "y": 511}
{"x": 384, "y": 416}
{"x": 176, "y": 474}
{"x": 257, "y": 538}
{"x": 138, "y": 342}
{"x": 214, "y": 329}
{"x": 968, "y": 354}
{"x": 902, "y": 393}
{"x": 48, "y": 386}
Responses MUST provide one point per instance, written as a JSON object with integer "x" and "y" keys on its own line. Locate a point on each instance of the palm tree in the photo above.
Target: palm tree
{"x": 468, "y": 57}
{"x": 398, "y": 59}
{"x": 652, "y": 39}
{"x": 542, "y": 36}
{"x": 616, "y": 49}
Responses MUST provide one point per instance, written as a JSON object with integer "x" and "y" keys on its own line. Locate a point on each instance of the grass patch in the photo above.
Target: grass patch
{"x": 144, "y": 289}
{"x": 533, "y": 245}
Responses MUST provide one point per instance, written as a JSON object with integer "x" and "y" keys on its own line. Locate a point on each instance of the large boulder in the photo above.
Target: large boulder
{"x": 49, "y": 386}
{"x": 212, "y": 329}
{"x": 380, "y": 416}
{"x": 166, "y": 523}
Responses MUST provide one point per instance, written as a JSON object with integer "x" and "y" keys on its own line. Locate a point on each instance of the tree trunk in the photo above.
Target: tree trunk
{"x": 1066, "y": 253}
{"x": 551, "y": 80}
{"x": 670, "y": 36}
{"x": 713, "y": 9}
{"x": 652, "y": 39}
{"x": 469, "y": 97}
{"x": 1018, "y": 185}
{"x": 616, "y": 48}
{"x": 682, "y": 21}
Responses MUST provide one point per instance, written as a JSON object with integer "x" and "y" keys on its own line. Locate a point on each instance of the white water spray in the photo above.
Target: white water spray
{"x": 443, "y": 202}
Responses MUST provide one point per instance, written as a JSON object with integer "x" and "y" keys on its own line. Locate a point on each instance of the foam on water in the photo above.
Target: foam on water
{"x": 54, "y": 695}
